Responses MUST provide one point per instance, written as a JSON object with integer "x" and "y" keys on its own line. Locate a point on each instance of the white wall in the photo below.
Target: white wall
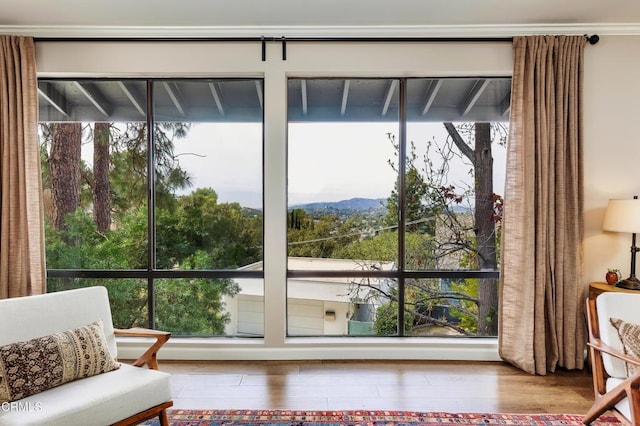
{"x": 612, "y": 147}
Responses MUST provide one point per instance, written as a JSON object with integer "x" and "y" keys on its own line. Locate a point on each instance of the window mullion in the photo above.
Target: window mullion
{"x": 402, "y": 165}
{"x": 151, "y": 203}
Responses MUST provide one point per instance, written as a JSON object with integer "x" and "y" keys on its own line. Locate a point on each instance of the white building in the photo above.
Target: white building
{"x": 315, "y": 306}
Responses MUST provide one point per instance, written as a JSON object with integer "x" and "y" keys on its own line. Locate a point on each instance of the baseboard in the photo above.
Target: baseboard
{"x": 480, "y": 349}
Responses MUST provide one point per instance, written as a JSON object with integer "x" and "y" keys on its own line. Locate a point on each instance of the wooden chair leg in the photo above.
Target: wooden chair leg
{"x": 159, "y": 411}
{"x": 164, "y": 418}
{"x": 606, "y": 402}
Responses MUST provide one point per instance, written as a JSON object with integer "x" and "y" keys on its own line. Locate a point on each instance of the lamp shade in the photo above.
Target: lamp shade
{"x": 622, "y": 216}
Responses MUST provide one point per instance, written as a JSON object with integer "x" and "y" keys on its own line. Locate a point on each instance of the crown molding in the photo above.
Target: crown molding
{"x": 194, "y": 32}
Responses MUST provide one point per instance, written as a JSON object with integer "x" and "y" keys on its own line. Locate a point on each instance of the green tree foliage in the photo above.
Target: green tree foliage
{"x": 200, "y": 233}
{"x": 321, "y": 236}
{"x": 128, "y": 174}
{"x": 193, "y": 306}
{"x": 386, "y": 322}
{"x": 384, "y": 247}
{"x": 185, "y": 306}
{"x": 466, "y": 310}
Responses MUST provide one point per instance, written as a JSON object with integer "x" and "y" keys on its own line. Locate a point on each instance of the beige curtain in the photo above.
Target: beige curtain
{"x": 22, "y": 266}
{"x": 541, "y": 291}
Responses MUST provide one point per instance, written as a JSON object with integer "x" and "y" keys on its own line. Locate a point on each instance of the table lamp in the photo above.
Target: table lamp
{"x": 624, "y": 216}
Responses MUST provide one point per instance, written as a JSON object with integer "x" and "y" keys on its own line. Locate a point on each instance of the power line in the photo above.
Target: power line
{"x": 376, "y": 230}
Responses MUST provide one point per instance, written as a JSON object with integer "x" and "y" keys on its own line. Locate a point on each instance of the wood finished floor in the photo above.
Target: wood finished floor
{"x": 376, "y": 385}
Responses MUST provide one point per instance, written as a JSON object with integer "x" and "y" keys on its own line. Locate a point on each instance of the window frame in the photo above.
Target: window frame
{"x": 152, "y": 273}
{"x": 400, "y": 274}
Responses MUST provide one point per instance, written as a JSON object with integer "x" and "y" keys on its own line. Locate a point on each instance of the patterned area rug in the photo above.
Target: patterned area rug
{"x": 366, "y": 418}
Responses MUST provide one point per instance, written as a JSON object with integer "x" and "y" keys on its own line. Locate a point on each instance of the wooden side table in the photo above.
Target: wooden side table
{"x": 597, "y": 288}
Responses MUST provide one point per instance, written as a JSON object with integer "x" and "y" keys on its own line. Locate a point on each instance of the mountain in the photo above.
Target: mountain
{"x": 354, "y": 204}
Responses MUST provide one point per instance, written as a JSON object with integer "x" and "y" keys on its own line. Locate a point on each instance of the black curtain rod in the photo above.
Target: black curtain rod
{"x": 152, "y": 39}
{"x": 592, "y": 39}
{"x": 275, "y": 39}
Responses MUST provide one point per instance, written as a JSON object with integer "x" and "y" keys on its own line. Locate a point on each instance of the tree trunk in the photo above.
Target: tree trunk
{"x": 485, "y": 227}
{"x": 101, "y": 187}
{"x": 485, "y": 230}
{"x": 65, "y": 171}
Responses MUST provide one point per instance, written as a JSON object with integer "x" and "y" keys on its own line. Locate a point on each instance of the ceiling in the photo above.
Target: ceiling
{"x": 240, "y": 100}
{"x": 44, "y": 18}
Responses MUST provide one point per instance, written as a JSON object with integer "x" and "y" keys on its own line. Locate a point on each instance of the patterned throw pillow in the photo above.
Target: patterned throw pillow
{"x": 30, "y": 367}
{"x": 630, "y": 337}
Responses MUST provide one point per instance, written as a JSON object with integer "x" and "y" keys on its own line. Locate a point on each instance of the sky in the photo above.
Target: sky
{"x": 326, "y": 161}
{"x": 226, "y": 157}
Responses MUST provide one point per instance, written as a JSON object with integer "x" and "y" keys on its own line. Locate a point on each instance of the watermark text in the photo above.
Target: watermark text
{"x": 21, "y": 406}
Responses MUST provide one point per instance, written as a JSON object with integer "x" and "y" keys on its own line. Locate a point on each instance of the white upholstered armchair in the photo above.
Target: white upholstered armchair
{"x": 614, "y": 346}
{"x": 58, "y": 364}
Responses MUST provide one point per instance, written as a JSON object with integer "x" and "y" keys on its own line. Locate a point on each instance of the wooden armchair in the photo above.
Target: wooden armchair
{"x": 148, "y": 358}
{"x": 615, "y": 390}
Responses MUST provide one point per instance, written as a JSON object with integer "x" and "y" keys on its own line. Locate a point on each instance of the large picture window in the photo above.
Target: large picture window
{"x": 394, "y": 203}
{"x": 169, "y": 220}
{"x": 304, "y": 192}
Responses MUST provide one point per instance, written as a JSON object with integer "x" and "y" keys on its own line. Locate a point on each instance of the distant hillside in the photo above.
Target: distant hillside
{"x": 354, "y": 204}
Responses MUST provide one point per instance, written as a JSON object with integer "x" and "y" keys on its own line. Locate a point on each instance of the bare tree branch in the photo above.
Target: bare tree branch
{"x": 460, "y": 143}
{"x": 441, "y": 323}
